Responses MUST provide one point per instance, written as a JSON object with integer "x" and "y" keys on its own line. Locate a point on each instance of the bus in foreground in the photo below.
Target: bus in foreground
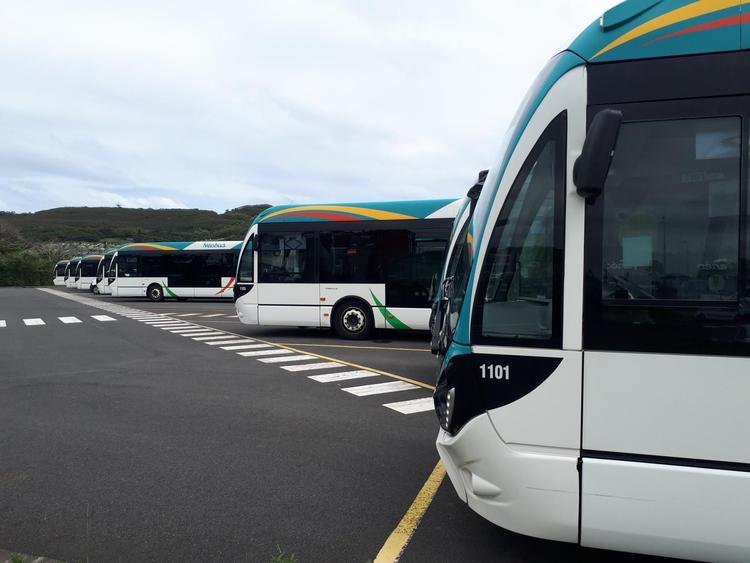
{"x": 70, "y": 271}
{"x": 594, "y": 387}
{"x": 174, "y": 269}
{"x": 351, "y": 267}
{"x": 58, "y": 274}
{"x": 85, "y": 276}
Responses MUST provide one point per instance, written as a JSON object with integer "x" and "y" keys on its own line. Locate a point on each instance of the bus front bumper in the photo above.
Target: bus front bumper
{"x": 527, "y": 492}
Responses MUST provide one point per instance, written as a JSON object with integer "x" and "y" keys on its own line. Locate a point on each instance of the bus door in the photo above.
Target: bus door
{"x": 288, "y": 288}
{"x": 528, "y": 375}
{"x": 666, "y": 424}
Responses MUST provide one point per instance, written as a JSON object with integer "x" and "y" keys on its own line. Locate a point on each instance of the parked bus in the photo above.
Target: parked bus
{"x": 101, "y": 286}
{"x": 58, "y": 274}
{"x": 85, "y": 276}
{"x": 459, "y": 248}
{"x": 174, "y": 269}
{"x": 353, "y": 267}
{"x": 70, "y": 271}
{"x": 595, "y": 386}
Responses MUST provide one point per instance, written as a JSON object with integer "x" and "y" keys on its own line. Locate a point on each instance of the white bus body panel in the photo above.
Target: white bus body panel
{"x": 288, "y": 304}
{"x": 331, "y": 294}
{"x": 667, "y": 405}
{"x": 225, "y": 291}
{"x": 533, "y": 493}
{"x": 669, "y": 510}
{"x": 85, "y": 283}
{"x": 58, "y": 280}
{"x": 415, "y": 319}
{"x": 536, "y": 473}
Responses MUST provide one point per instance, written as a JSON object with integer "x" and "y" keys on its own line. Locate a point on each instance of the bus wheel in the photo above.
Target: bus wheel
{"x": 353, "y": 320}
{"x": 155, "y": 292}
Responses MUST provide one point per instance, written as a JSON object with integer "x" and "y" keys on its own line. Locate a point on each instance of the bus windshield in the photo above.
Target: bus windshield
{"x": 245, "y": 271}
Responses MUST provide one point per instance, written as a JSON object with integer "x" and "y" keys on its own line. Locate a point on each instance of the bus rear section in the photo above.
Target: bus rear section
{"x": 351, "y": 267}
{"x": 595, "y": 383}
{"x": 179, "y": 270}
{"x": 58, "y": 274}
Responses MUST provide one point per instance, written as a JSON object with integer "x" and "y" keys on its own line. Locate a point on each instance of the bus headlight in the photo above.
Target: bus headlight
{"x": 444, "y": 403}
{"x": 457, "y": 396}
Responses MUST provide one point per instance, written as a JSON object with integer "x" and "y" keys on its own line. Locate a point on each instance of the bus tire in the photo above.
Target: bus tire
{"x": 352, "y": 319}
{"x": 155, "y": 292}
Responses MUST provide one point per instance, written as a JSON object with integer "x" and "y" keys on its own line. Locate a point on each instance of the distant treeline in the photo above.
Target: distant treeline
{"x": 31, "y": 243}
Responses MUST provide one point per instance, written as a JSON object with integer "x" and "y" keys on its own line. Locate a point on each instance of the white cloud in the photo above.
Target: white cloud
{"x": 182, "y": 104}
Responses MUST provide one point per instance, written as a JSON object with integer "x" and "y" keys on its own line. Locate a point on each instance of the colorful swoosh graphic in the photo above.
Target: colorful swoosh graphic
{"x": 147, "y": 246}
{"x": 354, "y": 213}
{"x": 389, "y": 317}
{"x": 230, "y": 283}
{"x": 678, "y": 15}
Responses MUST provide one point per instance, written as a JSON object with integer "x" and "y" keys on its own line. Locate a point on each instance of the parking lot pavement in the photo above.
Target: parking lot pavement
{"x": 165, "y": 436}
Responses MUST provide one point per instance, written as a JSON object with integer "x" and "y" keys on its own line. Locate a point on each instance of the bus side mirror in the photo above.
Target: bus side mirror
{"x": 592, "y": 166}
{"x": 252, "y": 241}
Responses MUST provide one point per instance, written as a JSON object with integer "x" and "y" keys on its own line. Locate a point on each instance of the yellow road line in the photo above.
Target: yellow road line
{"x": 354, "y": 347}
{"x": 330, "y": 359}
{"x": 398, "y": 540}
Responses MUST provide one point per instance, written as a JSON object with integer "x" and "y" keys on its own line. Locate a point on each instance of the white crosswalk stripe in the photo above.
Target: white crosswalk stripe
{"x": 180, "y": 330}
{"x": 103, "y": 318}
{"x": 276, "y": 351}
{"x": 70, "y": 320}
{"x": 308, "y": 367}
{"x": 211, "y": 316}
{"x": 174, "y": 324}
{"x": 3, "y": 324}
{"x": 235, "y": 340}
{"x": 200, "y": 333}
{"x": 160, "y": 321}
{"x": 280, "y": 359}
{"x": 188, "y": 331}
{"x": 186, "y": 315}
{"x": 212, "y": 337}
{"x": 245, "y": 346}
{"x": 33, "y": 322}
{"x": 342, "y": 376}
{"x": 378, "y": 388}
{"x": 413, "y": 406}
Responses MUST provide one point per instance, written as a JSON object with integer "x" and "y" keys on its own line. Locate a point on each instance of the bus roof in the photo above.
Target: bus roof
{"x": 75, "y": 259}
{"x": 639, "y": 29}
{"x": 62, "y": 262}
{"x": 184, "y": 245}
{"x": 96, "y": 257}
{"x": 378, "y": 211}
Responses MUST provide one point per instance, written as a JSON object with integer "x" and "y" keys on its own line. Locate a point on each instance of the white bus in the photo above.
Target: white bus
{"x": 595, "y": 384}
{"x": 174, "y": 269}
{"x": 85, "y": 277}
{"x": 101, "y": 286}
{"x": 353, "y": 267}
{"x": 70, "y": 271}
{"x": 58, "y": 274}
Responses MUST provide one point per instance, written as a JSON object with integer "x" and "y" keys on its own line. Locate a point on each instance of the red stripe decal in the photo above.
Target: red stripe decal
{"x": 716, "y": 24}
{"x": 229, "y": 284}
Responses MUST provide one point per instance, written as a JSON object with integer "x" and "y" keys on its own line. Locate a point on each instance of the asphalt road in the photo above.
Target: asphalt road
{"x": 125, "y": 441}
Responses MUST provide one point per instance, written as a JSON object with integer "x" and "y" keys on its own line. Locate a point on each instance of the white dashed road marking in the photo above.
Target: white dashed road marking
{"x": 70, "y": 320}
{"x": 33, "y": 322}
{"x": 415, "y": 405}
{"x": 3, "y": 324}
{"x": 288, "y": 359}
{"x": 186, "y": 328}
{"x": 345, "y": 375}
{"x": 213, "y": 337}
{"x": 200, "y": 333}
{"x": 220, "y": 342}
{"x": 307, "y": 367}
{"x": 210, "y": 316}
{"x": 378, "y": 388}
{"x": 187, "y": 315}
{"x": 245, "y": 346}
{"x": 102, "y": 318}
{"x": 266, "y": 352}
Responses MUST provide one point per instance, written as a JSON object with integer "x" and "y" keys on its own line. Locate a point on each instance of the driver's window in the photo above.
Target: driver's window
{"x": 520, "y": 287}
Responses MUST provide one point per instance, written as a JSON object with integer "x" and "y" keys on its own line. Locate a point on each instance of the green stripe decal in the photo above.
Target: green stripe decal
{"x": 389, "y": 317}
{"x": 169, "y": 291}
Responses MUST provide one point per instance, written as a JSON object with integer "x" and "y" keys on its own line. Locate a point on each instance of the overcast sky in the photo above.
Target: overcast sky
{"x": 220, "y": 104}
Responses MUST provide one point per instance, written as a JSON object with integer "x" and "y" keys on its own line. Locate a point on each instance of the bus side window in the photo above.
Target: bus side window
{"x": 664, "y": 241}
{"x": 520, "y": 288}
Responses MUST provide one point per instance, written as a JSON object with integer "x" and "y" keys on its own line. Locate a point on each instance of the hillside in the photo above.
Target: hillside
{"x": 30, "y": 243}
